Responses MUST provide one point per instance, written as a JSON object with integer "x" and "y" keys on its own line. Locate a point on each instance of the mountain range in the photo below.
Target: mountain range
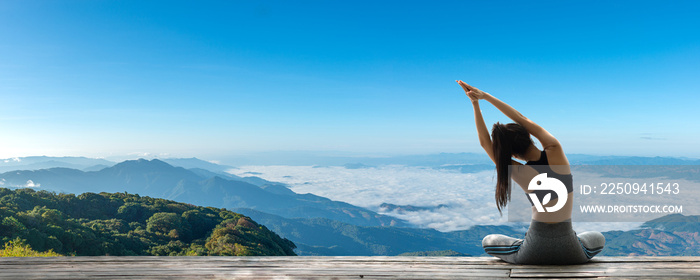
{"x": 159, "y": 179}
{"x": 670, "y": 235}
{"x": 430, "y": 160}
{"x": 95, "y": 164}
{"x": 44, "y": 162}
{"x": 470, "y": 162}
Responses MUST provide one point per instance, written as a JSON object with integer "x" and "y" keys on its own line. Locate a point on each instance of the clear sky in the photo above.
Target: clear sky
{"x": 206, "y": 78}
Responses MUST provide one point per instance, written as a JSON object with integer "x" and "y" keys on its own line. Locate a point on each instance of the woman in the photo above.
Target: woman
{"x": 550, "y": 238}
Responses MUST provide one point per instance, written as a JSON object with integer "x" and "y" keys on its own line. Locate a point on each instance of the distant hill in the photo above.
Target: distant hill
{"x": 157, "y": 178}
{"x": 388, "y": 207}
{"x": 469, "y": 161}
{"x": 675, "y": 223}
{"x": 671, "y": 235}
{"x": 190, "y": 163}
{"x": 630, "y": 160}
{"x": 94, "y": 167}
{"x": 469, "y": 168}
{"x": 95, "y": 164}
{"x": 338, "y": 159}
{"x": 688, "y": 172}
{"x": 120, "y": 224}
{"x": 43, "y": 162}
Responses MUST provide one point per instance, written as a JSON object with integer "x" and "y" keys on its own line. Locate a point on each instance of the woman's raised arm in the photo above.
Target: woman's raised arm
{"x": 482, "y": 131}
{"x": 546, "y": 139}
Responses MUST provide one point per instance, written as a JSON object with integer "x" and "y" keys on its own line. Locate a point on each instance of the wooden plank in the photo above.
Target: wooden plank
{"x": 667, "y": 273}
{"x": 186, "y": 270}
{"x": 337, "y": 268}
{"x": 253, "y": 259}
{"x": 271, "y": 274}
{"x": 324, "y": 259}
{"x": 258, "y": 264}
{"x": 648, "y": 259}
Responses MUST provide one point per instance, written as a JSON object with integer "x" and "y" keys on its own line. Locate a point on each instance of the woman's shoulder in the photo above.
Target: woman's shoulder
{"x": 557, "y": 160}
{"x": 556, "y": 155}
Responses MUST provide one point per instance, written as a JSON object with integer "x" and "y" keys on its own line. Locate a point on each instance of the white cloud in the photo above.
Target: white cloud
{"x": 457, "y": 217}
{"x": 31, "y": 184}
{"x": 13, "y": 160}
{"x": 140, "y": 154}
{"x": 469, "y": 197}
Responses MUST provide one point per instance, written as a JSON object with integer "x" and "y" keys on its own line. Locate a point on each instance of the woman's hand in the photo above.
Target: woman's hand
{"x": 474, "y": 93}
{"x": 484, "y": 138}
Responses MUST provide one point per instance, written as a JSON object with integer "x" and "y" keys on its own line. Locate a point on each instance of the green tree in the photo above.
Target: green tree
{"x": 126, "y": 224}
{"x": 163, "y": 223}
{"x": 134, "y": 212}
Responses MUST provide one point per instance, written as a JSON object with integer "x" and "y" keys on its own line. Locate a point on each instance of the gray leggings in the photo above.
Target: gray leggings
{"x": 546, "y": 244}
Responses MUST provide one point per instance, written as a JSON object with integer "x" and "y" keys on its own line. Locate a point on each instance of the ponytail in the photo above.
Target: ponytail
{"x": 508, "y": 140}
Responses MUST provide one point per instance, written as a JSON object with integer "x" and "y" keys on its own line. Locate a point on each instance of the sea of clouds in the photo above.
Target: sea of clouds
{"x": 467, "y": 199}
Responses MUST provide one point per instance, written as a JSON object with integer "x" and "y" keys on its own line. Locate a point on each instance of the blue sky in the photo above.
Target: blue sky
{"x": 104, "y": 78}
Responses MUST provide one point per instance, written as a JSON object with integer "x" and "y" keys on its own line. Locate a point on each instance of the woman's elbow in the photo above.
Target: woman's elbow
{"x": 554, "y": 144}
{"x": 486, "y": 145}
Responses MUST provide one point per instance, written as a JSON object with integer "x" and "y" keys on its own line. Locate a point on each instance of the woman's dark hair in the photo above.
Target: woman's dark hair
{"x": 508, "y": 140}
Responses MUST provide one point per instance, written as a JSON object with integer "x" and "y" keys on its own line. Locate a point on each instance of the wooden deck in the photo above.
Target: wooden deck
{"x": 338, "y": 268}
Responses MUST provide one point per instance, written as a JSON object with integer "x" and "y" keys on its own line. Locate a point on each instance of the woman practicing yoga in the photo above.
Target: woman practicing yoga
{"x": 550, "y": 238}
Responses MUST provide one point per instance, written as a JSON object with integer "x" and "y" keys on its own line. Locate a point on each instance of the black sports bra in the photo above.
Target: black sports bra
{"x": 543, "y": 167}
